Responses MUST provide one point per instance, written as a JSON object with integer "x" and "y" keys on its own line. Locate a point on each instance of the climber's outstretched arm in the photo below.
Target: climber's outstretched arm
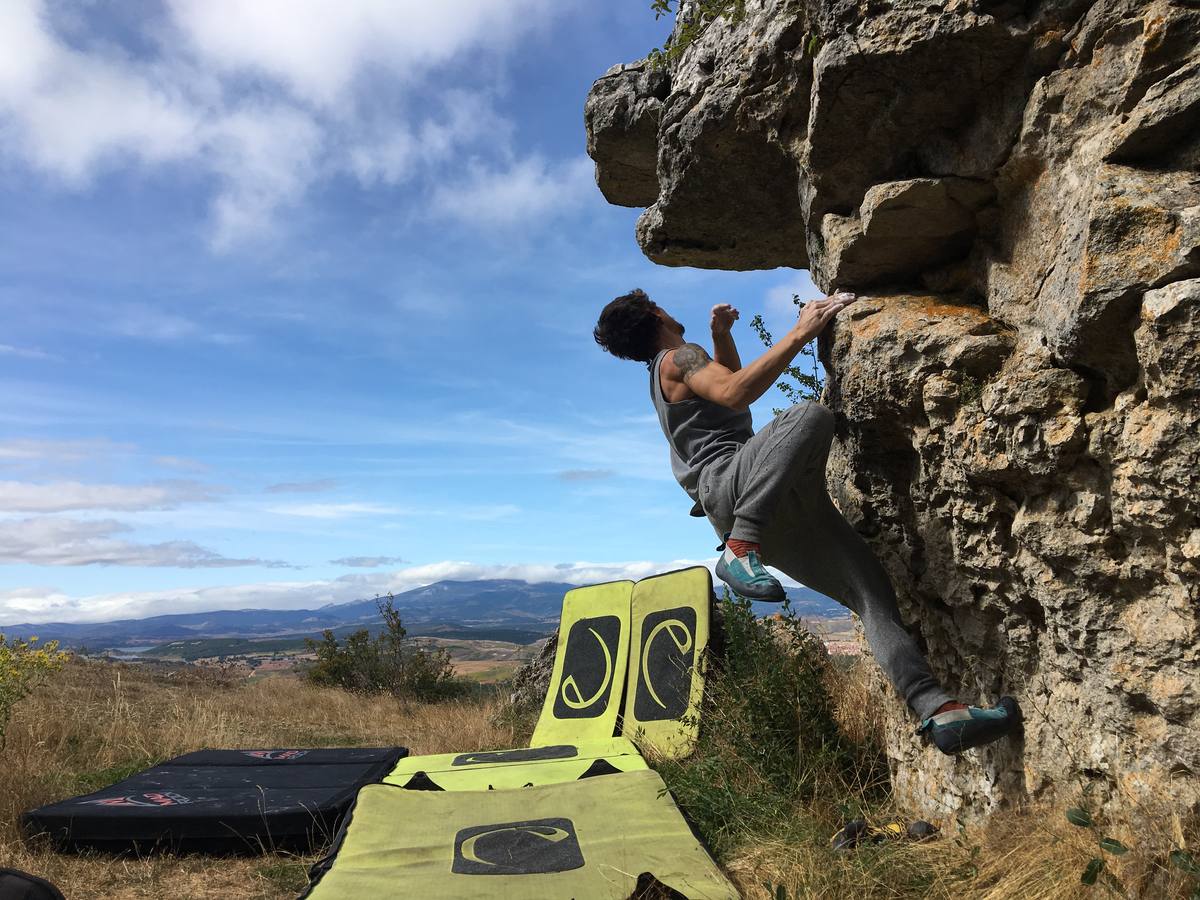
{"x": 713, "y": 381}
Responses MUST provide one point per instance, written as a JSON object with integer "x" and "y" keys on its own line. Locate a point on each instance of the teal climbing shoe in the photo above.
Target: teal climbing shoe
{"x": 746, "y": 576}
{"x": 963, "y": 729}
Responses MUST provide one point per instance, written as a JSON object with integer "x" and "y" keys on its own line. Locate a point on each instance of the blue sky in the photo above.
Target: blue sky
{"x": 297, "y": 303}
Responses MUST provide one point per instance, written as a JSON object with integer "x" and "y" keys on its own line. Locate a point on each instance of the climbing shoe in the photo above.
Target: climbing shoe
{"x": 858, "y": 832}
{"x": 745, "y": 575}
{"x": 963, "y": 729}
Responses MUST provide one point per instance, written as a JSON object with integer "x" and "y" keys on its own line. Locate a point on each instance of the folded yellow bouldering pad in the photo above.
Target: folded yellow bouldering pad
{"x": 584, "y": 696}
{"x": 502, "y": 778}
{"x": 503, "y": 769}
{"x": 584, "y": 839}
{"x": 670, "y": 627}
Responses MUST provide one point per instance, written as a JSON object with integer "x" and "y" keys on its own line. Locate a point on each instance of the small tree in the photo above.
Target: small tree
{"x": 22, "y": 666}
{"x": 388, "y": 663}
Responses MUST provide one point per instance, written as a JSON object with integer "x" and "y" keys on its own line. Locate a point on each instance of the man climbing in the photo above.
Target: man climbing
{"x": 765, "y": 492}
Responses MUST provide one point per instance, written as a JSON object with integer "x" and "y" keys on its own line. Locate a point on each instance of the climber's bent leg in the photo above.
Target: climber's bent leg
{"x": 746, "y": 488}
{"x": 813, "y": 543}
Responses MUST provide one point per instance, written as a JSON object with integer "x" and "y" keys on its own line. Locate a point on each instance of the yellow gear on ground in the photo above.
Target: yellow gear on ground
{"x": 586, "y": 839}
{"x": 503, "y": 769}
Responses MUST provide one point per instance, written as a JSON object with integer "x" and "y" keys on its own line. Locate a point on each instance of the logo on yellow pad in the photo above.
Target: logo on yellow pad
{"x": 535, "y": 847}
{"x": 589, "y": 667}
{"x": 570, "y": 686}
{"x": 666, "y": 664}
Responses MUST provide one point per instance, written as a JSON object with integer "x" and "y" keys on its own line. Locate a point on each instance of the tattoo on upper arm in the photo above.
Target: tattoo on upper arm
{"x": 690, "y": 359}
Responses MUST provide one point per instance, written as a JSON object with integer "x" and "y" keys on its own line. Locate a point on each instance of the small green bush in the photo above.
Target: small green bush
{"x": 702, "y": 15}
{"x": 769, "y": 744}
{"x": 388, "y": 663}
{"x": 22, "y": 666}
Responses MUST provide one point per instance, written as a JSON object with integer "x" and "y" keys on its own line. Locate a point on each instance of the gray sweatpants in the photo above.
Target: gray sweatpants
{"x": 772, "y": 491}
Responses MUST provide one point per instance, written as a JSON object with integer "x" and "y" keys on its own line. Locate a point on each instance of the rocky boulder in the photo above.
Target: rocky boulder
{"x": 1014, "y": 191}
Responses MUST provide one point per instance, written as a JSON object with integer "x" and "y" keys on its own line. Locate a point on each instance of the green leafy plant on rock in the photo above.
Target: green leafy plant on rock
{"x": 388, "y": 663}
{"x": 798, "y": 385}
{"x": 697, "y": 18}
{"x": 1096, "y": 869}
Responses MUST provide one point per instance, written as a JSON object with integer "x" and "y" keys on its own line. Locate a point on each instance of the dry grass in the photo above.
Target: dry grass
{"x": 96, "y": 723}
{"x": 1021, "y": 854}
{"x": 855, "y": 708}
{"x": 1028, "y": 855}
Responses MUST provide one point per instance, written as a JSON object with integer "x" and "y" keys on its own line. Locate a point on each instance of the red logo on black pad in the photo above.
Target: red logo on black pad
{"x": 275, "y": 754}
{"x": 151, "y": 799}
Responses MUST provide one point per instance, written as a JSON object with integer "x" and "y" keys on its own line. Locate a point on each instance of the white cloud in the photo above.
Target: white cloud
{"x": 351, "y": 509}
{"x": 525, "y": 192}
{"x": 180, "y": 462}
{"x": 38, "y": 600}
{"x": 267, "y": 157}
{"x": 335, "y": 510}
{"x": 25, "y": 496}
{"x": 366, "y": 562}
{"x": 73, "y": 108}
{"x": 270, "y": 97}
{"x": 25, "y": 352}
{"x": 318, "y": 48}
{"x": 151, "y": 322}
{"x": 53, "y": 541}
{"x": 302, "y": 487}
{"x": 395, "y": 154}
{"x": 26, "y": 450}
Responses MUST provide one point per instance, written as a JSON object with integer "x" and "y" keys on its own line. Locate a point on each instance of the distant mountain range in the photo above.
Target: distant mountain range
{"x": 464, "y": 605}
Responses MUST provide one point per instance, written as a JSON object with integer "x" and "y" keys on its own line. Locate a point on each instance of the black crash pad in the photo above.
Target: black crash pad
{"x": 17, "y": 885}
{"x": 220, "y": 801}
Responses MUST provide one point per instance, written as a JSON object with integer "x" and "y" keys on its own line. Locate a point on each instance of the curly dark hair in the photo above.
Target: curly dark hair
{"x": 628, "y": 327}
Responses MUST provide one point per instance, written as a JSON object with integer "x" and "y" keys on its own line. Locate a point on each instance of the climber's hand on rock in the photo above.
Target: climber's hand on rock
{"x": 723, "y": 317}
{"x": 817, "y": 314}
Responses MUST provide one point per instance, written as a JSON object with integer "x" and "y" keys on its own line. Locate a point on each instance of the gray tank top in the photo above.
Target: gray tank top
{"x": 699, "y": 431}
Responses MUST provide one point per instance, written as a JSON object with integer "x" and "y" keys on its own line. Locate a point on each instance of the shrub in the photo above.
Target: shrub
{"x": 702, "y": 14}
{"x": 388, "y": 663}
{"x": 769, "y": 743}
{"x": 23, "y": 665}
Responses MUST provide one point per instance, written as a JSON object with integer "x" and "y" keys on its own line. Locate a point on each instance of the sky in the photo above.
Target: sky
{"x": 297, "y": 301}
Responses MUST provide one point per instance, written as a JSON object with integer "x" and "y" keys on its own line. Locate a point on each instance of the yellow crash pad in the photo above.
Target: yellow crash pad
{"x": 585, "y": 839}
{"x": 670, "y": 629}
{"x": 502, "y": 778}
{"x": 502, "y": 769}
{"x": 584, "y": 696}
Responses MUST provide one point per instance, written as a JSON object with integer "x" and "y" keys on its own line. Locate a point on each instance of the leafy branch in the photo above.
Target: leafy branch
{"x": 701, "y": 14}
{"x": 802, "y": 385}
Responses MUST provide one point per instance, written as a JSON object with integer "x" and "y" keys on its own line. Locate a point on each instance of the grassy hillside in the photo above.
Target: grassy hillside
{"x": 766, "y": 797}
{"x": 209, "y": 648}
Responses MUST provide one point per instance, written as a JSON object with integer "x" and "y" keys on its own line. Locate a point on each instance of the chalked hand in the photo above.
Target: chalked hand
{"x": 817, "y": 314}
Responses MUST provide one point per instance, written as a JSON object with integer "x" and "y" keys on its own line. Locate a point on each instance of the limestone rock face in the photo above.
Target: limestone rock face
{"x": 532, "y": 680}
{"x": 1013, "y": 189}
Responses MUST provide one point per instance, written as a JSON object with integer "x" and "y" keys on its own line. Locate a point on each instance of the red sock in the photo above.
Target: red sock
{"x": 741, "y": 548}
{"x": 947, "y": 707}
